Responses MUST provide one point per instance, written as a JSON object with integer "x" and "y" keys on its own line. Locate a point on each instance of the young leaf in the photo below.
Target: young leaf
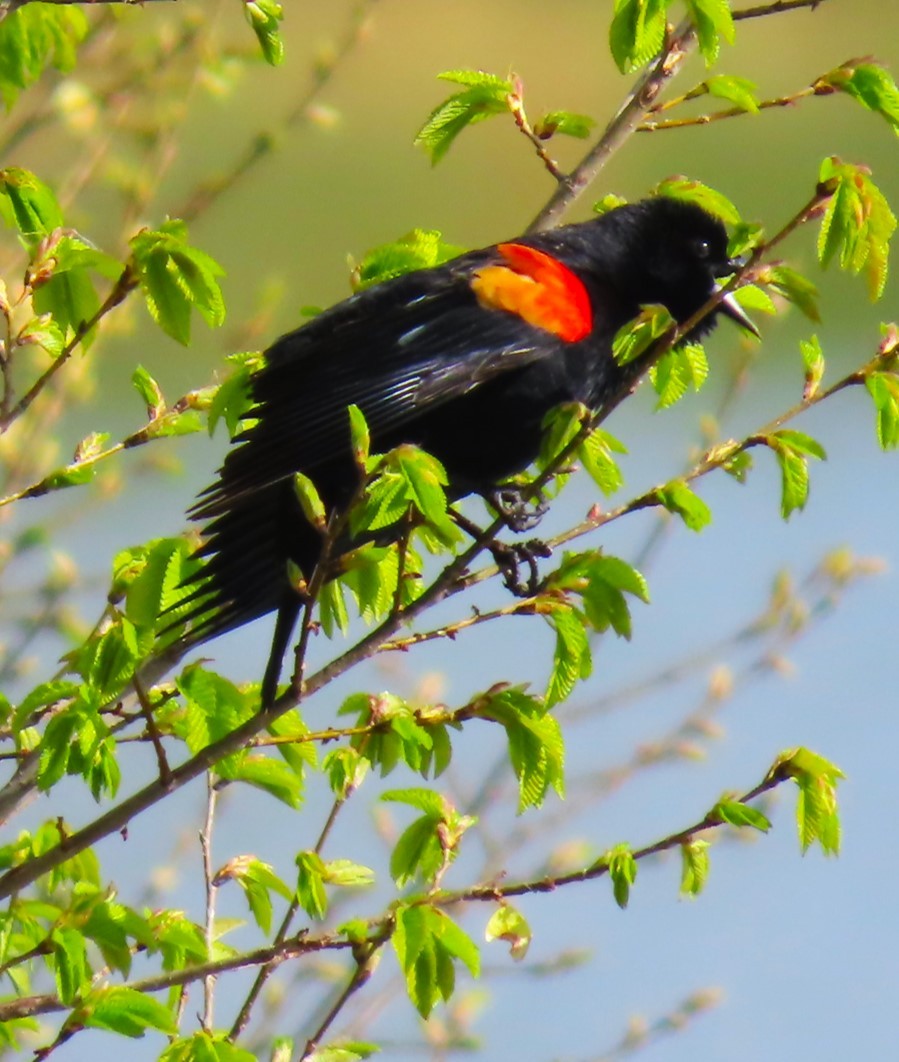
{"x": 484, "y": 96}
{"x": 428, "y": 944}
{"x": 795, "y": 288}
{"x": 577, "y": 125}
{"x": 536, "y": 745}
{"x": 637, "y": 32}
{"x": 817, "y": 816}
{"x": 126, "y": 1011}
{"x": 694, "y": 867}
{"x": 710, "y": 199}
{"x": 713, "y": 21}
{"x": 264, "y": 16}
{"x": 739, "y": 91}
{"x": 857, "y": 225}
{"x": 736, "y": 814}
{"x": 510, "y": 925}
{"x": 175, "y": 278}
{"x": 572, "y": 659}
{"x": 792, "y": 450}
{"x": 813, "y": 360}
{"x": 678, "y": 498}
{"x": 871, "y": 85}
{"x": 677, "y": 370}
{"x": 623, "y": 872}
{"x": 637, "y": 336}
{"x": 883, "y": 387}
{"x": 27, "y": 204}
{"x": 32, "y": 37}
{"x": 418, "y": 249}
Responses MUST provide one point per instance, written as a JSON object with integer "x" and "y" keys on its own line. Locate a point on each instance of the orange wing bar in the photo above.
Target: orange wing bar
{"x": 539, "y": 288}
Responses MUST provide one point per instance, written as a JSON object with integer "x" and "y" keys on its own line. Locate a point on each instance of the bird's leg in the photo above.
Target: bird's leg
{"x": 509, "y": 558}
{"x": 518, "y": 508}
{"x": 284, "y": 625}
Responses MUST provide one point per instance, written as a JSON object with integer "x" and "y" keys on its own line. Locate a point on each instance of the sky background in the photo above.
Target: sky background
{"x": 802, "y": 950}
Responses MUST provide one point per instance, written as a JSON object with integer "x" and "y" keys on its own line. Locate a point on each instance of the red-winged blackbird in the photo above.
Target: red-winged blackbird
{"x": 464, "y": 360}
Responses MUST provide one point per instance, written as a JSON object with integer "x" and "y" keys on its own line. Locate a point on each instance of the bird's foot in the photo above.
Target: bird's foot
{"x": 518, "y": 509}
{"x": 509, "y": 560}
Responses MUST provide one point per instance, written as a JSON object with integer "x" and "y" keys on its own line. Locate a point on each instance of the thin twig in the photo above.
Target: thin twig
{"x": 211, "y": 893}
{"x": 126, "y": 283}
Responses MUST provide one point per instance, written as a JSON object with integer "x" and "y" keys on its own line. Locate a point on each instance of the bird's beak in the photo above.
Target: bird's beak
{"x": 732, "y": 309}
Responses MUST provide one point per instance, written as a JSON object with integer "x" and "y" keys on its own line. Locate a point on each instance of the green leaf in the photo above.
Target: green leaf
{"x": 27, "y": 204}
{"x": 813, "y": 360}
{"x": 204, "y": 1047}
{"x": 817, "y": 815}
{"x": 883, "y": 387}
{"x": 623, "y": 872}
{"x": 739, "y": 91}
{"x": 511, "y": 926}
{"x": 713, "y": 22}
{"x": 69, "y": 963}
{"x": 572, "y": 659}
{"x": 127, "y": 1012}
{"x": 795, "y": 288}
{"x": 602, "y": 581}
{"x": 694, "y": 867}
{"x": 678, "y": 369}
{"x": 857, "y": 225}
{"x": 33, "y": 37}
{"x": 595, "y": 454}
{"x": 175, "y": 278}
{"x": 264, "y": 16}
{"x": 485, "y": 95}
{"x": 637, "y": 336}
{"x": 566, "y": 123}
{"x": 360, "y": 436}
{"x": 869, "y": 84}
{"x": 735, "y": 813}
{"x": 310, "y": 501}
{"x": 418, "y": 249}
{"x": 536, "y": 745}
{"x": 149, "y": 391}
{"x": 232, "y": 401}
{"x": 678, "y": 498}
{"x": 152, "y": 580}
{"x": 710, "y": 199}
{"x": 637, "y": 32}
{"x": 258, "y": 881}
{"x": 792, "y": 450}
{"x": 428, "y": 944}
{"x": 272, "y": 776}
{"x": 311, "y": 884}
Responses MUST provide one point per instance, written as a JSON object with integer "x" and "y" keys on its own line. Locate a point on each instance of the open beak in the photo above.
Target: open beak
{"x": 732, "y": 309}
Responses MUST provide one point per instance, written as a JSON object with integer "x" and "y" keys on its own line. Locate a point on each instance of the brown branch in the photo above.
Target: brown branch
{"x": 631, "y": 113}
{"x": 382, "y": 927}
{"x": 288, "y": 949}
{"x": 777, "y": 7}
{"x": 126, "y": 283}
{"x": 9, "y": 7}
{"x": 717, "y": 116}
{"x": 635, "y": 108}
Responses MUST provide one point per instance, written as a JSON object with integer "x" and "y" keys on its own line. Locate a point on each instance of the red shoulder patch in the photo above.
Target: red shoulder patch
{"x": 540, "y": 289}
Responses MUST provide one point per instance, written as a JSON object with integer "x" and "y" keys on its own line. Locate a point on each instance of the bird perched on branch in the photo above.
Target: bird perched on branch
{"x": 465, "y": 360}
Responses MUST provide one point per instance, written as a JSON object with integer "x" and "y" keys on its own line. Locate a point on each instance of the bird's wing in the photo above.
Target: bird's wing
{"x": 395, "y": 350}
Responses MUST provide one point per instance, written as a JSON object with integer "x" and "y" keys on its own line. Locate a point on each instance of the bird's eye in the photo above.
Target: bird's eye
{"x": 702, "y": 248}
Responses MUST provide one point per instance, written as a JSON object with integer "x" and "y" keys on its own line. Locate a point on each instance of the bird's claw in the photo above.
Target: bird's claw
{"x": 510, "y": 558}
{"x": 519, "y": 510}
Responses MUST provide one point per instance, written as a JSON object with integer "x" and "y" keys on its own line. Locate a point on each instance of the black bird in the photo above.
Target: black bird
{"x": 464, "y": 360}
